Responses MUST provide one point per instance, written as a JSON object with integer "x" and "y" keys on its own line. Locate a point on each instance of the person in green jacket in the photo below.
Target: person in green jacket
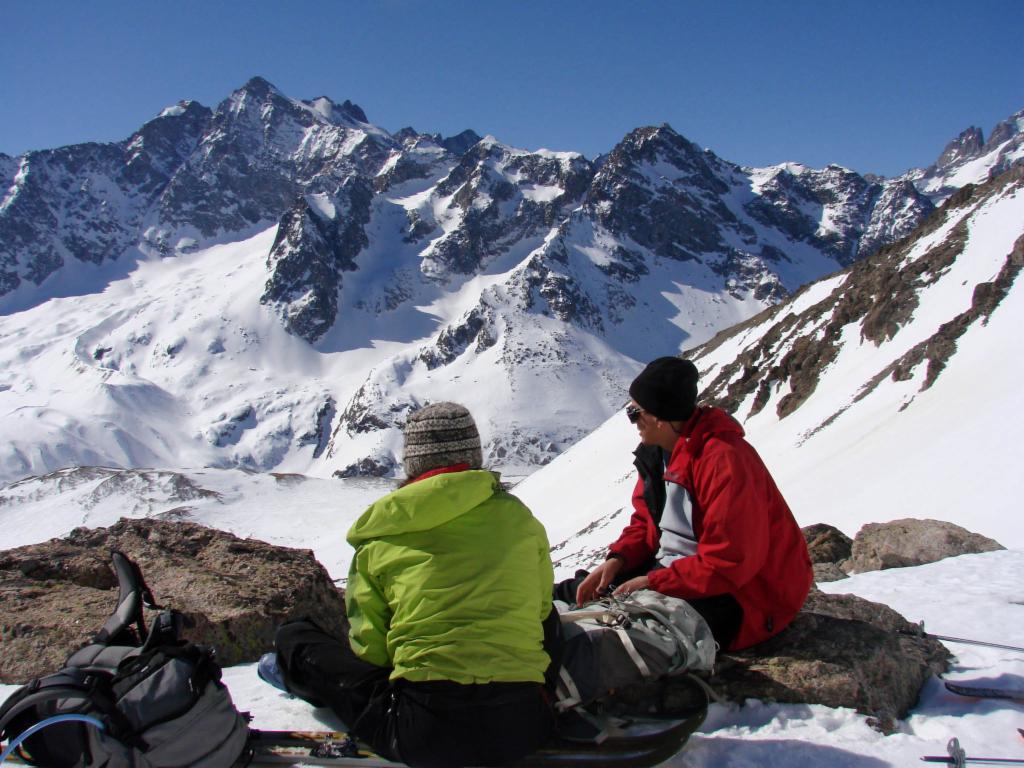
{"x": 449, "y": 604}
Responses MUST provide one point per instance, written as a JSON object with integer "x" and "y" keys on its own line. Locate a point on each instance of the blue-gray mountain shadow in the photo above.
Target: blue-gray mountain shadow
{"x": 744, "y": 753}
{"x": 76, "y": 278}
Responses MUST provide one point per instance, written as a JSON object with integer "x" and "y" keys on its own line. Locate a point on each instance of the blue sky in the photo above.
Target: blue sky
{"x": 876, "y": 86}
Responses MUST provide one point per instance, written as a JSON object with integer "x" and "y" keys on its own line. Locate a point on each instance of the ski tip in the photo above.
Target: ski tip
{"x": 1021, "y": 732}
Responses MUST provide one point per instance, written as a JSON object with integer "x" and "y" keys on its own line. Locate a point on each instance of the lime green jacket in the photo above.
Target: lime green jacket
{"x": 451, "y": 580}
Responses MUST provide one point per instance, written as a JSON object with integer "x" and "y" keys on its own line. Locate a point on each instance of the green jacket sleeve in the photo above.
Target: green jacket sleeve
{"x": 368, "y": 612}
{"x": 546, "y": 571}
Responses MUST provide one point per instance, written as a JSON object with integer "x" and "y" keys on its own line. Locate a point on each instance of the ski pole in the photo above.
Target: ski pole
{"x": 919, "y": 632}
{"x": 958, "y": 758}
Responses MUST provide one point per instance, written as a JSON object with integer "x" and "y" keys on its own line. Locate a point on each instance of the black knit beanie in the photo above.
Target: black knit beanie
{"x": 440, "y": 435}
{"x": 667, "y": 388}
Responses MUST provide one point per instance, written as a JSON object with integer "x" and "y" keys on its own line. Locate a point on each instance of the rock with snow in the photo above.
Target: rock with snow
{"x": 317, "y": 240}
{"x": 235, "y": 592}
{"x": 840, "y": 651}
{"x": 879, "y": 295}
{"x": 971, "y": 159}
{"x": 88, "y": 203}
{"x": 907, "y": 542}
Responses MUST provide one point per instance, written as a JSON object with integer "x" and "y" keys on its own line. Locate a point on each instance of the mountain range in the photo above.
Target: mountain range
{"x": 275, "y": 283}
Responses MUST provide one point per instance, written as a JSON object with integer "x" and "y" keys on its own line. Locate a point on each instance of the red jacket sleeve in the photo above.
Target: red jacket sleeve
{"x": 634, "y": 544}
{"x": 733, "y": 540}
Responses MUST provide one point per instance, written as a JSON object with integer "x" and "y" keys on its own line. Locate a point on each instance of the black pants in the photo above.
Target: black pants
{"x": 722, "y": 613}
{"x": 431, "y": 724}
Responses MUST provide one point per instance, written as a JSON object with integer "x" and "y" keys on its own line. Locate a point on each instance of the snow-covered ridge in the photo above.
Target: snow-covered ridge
{"x": 864, "y": 392}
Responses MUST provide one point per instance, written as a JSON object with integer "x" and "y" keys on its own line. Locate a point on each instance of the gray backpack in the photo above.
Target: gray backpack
{"x": 129, "y": 699}
{"x": 614, "y": 643}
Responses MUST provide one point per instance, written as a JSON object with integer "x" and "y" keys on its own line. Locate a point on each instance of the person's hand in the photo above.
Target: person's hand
{"x": 595, "y": 584}
{"x": 631, "y": 586}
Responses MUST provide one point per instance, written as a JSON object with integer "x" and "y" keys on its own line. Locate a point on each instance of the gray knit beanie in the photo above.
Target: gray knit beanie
{"x": 440, "y": 435}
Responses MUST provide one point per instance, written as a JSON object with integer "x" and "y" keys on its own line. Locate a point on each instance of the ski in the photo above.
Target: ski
{"x": 958, "y": 758}
{"x": 984, "y": 692}
{"x": 919, "y": 631}
{"x": 638, "y": 742}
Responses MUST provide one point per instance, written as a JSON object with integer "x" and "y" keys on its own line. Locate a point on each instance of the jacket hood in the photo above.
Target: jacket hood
{"x": 712, "y": 422}
{"x": 424, "y": 505}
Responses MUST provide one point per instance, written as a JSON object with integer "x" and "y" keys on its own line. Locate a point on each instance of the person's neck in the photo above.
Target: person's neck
{"x": 668, "y": 442}
{"x": 679, "y": 431}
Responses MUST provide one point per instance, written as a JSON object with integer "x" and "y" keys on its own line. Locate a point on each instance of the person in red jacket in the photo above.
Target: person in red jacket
{"x": 709, "y": 524}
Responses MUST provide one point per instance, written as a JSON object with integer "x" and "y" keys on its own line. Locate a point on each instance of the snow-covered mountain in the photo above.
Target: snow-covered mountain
{"x": 890, "y": 389}
{"x": 970, "y": 159}
{"x": 274, "y": 283}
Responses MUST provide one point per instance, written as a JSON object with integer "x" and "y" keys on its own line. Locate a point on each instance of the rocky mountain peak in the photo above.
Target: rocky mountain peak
{"x": 345, "y": 113}
{"x": 460, "y": 143}
{"x": 965, "y": 146}
{"x": 1006, "y": 130}
{"x": 258, "y": 88}
{"x": 254, "y": 101}
{"x": 648, "y": 144}
{"x": 971, "y": 159}
{"x": 353, "y": 111}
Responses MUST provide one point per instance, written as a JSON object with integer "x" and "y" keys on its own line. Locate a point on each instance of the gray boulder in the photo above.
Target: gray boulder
{"x": 56, "y": 595}
{"x": 902, "y": 543}
{"x": 840, "y": 651}
{"x": 826, "y": 543}
{"x": 828, "y": 548}
{"x": 828, "y": 572}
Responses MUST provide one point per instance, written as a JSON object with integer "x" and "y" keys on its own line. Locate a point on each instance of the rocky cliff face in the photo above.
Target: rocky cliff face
{"x": 88, "y": 202}
{"x": 971, "y": 159}
{"x": 875, "y": 302}
{"x": 193, "y": 174}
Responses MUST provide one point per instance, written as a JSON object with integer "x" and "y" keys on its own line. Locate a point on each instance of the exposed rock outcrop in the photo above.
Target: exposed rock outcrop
{"x": 827, "y": 544}
{"x": 56, "y": 595}
{"x": 840, "y": 651}
{"x": 828, "y": 548}
{"x": 902, "y": 543}
{"x": 896, "y": 544}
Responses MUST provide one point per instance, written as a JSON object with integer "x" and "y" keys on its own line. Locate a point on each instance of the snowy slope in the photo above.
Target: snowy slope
{"x": 889, "y": 390}
{"x": 971, "y": 159}
{"x": 162, "y": 369}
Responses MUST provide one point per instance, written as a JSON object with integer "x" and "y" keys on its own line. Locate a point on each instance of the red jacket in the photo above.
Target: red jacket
{"x": 748, "y": 543}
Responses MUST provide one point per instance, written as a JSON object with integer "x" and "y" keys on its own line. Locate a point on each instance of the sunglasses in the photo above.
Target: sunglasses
{"x": 633, "y": 413}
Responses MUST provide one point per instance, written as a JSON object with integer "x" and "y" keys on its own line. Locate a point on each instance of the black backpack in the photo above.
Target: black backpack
{"x": 130, "y": 698}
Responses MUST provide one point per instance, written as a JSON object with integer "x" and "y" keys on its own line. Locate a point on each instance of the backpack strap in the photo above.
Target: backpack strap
{"x": 14, "y": 744}
{"x": 631, "y": 651}
{"x": 61, "y": 685}
{"x": 66, "y": 685}
{"x": 125, "y": 629}
{"x": 567, "y": 694}
{"x": 133, "y": 594}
